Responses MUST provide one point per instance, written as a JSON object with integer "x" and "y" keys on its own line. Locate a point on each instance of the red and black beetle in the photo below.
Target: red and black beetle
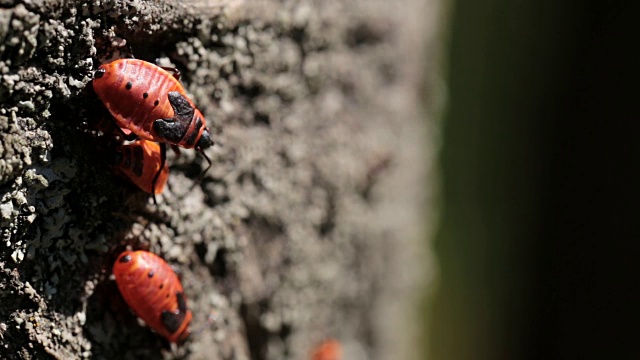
{"x": 139, "y": 162}
{"x": 149, "y": 101}
{"x": 153, "y": 291}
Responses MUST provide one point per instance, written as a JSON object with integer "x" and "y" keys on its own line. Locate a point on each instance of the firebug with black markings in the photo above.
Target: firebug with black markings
{"x": 154, "y": 292}
{"x": 150, "y": 102}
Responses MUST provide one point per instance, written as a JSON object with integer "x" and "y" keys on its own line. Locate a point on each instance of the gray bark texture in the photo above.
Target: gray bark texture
{"x": 308, "y": 225}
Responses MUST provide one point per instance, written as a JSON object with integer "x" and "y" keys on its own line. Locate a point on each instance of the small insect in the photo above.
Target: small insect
{"x": 328, "y": 350}
{"x": 154, "y": 292}
{"x": 150, "y": 102}
{"x": 139, "y": 162}
{"x": 147, "y": 100}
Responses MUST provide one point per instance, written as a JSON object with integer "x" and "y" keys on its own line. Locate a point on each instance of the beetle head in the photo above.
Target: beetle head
{"x": 205, "y": 140}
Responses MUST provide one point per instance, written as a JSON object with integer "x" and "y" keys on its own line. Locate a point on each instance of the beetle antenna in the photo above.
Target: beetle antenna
{"x": 208, "y": 167}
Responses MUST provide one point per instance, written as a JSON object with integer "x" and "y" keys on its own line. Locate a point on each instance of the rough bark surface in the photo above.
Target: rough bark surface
{"x": 307, "y": 225}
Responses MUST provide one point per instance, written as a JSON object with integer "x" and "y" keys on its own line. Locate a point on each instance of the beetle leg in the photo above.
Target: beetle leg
{"x": 175, "y": 71}
{"x": 128, "y": 137}
{"x": 173, "y": 129}
{"x": 163, "y": 160}
{"x": 176, "y": 150}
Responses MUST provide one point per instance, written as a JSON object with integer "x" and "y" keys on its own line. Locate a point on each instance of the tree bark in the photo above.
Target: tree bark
{"x": 308, "y": 224}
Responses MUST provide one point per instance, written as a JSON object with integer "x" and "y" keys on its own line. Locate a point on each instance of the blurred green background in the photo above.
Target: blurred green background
{"x": 537, "y": 249}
